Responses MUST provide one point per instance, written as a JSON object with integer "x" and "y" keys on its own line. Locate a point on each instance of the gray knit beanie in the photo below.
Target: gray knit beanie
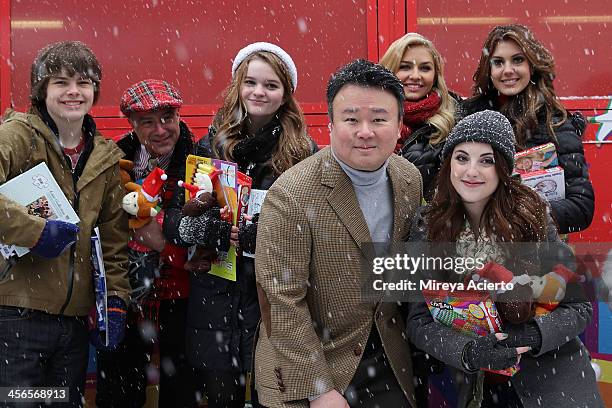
{"x": 485, "y": 127}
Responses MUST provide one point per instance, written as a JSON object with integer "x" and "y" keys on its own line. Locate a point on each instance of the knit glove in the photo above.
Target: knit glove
{"x": 523, "y": 335}
{"x": 207, "y": 230}
{"x": 55, "y": 238}
{"x": 485, "y": 352}
{"x": 116, "y": 312}
{"x": 247, "y": 236}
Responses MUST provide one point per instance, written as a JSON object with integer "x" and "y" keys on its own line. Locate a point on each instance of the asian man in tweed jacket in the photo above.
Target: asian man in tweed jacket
{"x": 320, "y": 344}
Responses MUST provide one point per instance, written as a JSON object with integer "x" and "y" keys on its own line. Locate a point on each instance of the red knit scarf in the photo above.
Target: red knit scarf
{"x": 415, "y": 113}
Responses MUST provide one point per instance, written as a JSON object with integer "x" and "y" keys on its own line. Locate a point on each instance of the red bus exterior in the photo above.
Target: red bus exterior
{"x": 191, "y": 45}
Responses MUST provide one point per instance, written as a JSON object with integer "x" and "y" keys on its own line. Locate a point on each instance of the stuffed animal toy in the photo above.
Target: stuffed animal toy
{"x": 141, "y": 201}
{"x": 125, "y": 168}
{"x": 546, "y": 291}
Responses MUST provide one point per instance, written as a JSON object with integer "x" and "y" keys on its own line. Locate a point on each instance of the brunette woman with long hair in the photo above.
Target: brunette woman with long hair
{"x": 515, "y": 77}
{"x": 429, "y": 107}
{"x": 261, "y": 128}
{"x": 478, "y": 210}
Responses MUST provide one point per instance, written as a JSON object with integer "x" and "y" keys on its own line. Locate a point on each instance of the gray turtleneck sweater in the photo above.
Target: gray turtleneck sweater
{"x": 373, "y": 190}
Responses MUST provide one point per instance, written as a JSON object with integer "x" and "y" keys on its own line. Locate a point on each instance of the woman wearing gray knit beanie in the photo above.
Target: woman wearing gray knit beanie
{"x": 481, "y": 212}
{"x": 515, "y": 77}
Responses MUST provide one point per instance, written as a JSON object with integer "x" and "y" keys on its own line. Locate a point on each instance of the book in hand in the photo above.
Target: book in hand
{"x": 229, "y": 186}
{"x": 99, "y": 277}
{"x": 534, "y": 159}
{"x": 37, "y": 190}
{"x": 539, "y": 169}
{"x": 470, "y": 312}
{"x": 255, "y": 201}
{"x": 548, "y": 183}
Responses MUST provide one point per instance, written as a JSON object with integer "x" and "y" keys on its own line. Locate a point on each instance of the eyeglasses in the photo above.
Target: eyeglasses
{"x": 165, "y": 119}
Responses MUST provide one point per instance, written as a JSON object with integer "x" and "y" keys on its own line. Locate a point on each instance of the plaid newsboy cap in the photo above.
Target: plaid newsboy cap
{"x": 148, "y": 95}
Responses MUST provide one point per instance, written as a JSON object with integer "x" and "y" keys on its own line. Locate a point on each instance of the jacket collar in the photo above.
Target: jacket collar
{"x": 343, "y": 200}
{"x": 104, "y": 154}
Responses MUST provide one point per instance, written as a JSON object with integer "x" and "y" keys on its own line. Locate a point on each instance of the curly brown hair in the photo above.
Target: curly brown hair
{"x": 514, "y": 213}
{"x": 538, "y": 96}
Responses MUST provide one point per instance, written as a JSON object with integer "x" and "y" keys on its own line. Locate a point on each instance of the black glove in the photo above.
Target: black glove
{"x": 247, "y": 236}
{"x": 527, "y": 334}
{"x": 207, "y": 230}
{"x": 486, "y": 352}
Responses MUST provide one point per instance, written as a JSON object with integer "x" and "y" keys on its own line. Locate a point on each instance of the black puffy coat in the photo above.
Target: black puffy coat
{"x": 426, "y": 157}
{"x": 223, "y": 315}
{"x": 574, "y": 212}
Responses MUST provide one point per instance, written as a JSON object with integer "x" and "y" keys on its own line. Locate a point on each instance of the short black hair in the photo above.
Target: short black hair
{"x": 365, "y": 74}
{"x": 73, "y": 56}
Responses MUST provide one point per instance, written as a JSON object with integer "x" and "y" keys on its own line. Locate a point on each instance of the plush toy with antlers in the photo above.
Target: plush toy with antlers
{"x": 545, "y": 291}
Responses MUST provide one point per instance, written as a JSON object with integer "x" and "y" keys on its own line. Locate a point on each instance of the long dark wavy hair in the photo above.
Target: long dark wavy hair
{"x": 537, "y": 98}
{"x": 514, "y": 213}
{"x": 231, "y": 120}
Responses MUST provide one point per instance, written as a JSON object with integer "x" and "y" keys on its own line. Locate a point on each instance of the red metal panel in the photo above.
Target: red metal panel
{"x": 411, "y": 16}
{"x": 5, "y": 54}
{"x": 372, "y": 29}
{"x": 574, "y": 31}
{"x": 391, "y": 23}
{"x": 190, "y": 45}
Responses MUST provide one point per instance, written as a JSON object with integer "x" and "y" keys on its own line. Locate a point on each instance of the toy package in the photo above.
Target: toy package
{"x": 549, "y": 183}
{"x": 469, "y": 311}
{"x": 229, "y": 184}
{"x": 537, "y": 158}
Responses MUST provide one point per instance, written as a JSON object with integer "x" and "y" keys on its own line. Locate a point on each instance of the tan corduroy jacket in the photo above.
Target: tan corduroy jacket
{"x": 63, "y": 284}
{"x": 315, "y": 324}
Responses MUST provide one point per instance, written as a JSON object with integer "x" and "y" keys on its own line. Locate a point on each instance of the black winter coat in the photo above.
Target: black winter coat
{"x": 574, "y": 212}
{"x": 426, "y": 157}
{"x": 222, "y": 316}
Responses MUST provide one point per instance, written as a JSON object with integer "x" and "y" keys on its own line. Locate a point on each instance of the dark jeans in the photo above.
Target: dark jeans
{"x": 38, "y": 349}
{"x": 122, "y": 374}
{"x": 374, "y": 384}
{"x": 225, "y": 389}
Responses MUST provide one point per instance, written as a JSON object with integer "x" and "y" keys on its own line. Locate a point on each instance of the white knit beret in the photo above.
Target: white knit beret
{"x": 274, "y": 49}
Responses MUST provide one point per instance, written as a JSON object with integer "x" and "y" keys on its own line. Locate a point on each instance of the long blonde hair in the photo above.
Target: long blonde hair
{"x": 444, "y": 118}
{"x": 231, "y": 120}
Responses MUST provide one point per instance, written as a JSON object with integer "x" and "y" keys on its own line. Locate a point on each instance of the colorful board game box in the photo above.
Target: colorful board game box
{"x": 468, "y": 311}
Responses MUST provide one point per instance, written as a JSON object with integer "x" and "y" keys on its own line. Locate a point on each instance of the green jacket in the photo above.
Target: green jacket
{"x": 63, "y": 285}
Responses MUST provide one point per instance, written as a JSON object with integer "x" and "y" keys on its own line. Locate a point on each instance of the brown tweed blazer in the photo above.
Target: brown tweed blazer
{"x": 309, "y": 251}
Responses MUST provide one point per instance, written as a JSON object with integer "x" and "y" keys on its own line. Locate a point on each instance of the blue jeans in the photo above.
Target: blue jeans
{"x": 38, "y": 349}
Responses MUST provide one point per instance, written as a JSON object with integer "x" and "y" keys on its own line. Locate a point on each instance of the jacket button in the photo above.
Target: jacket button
{"x": 357, "y": 351}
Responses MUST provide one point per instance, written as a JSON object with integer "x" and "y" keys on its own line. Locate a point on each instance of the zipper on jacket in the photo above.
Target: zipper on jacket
{"x": 73, "y": 246}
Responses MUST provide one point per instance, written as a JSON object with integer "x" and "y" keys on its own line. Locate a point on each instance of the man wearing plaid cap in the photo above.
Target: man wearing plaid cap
{"x": 160, "y": 285}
